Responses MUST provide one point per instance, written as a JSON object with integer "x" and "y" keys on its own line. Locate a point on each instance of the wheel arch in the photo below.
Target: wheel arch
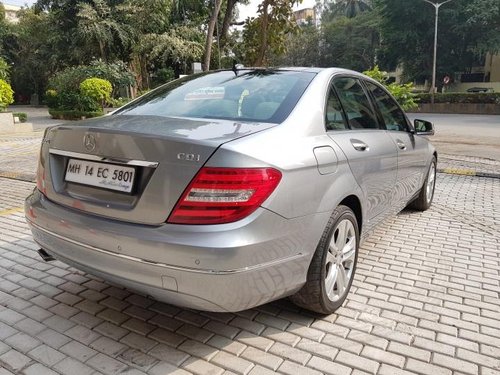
{"x": 353, "y": 202}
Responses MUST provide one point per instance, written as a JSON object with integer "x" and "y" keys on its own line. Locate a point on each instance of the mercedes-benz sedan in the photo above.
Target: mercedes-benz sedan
{"x": 229, "y": 189}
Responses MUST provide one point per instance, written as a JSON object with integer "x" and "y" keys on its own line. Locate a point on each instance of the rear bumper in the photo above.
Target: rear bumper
{"x": 232, "y": 268}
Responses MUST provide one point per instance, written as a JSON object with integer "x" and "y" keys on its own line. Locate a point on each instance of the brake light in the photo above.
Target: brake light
{"x": 224, "y": 195}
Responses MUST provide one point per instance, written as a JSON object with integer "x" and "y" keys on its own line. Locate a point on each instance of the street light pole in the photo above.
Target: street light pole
{"x": 434, "y": 63}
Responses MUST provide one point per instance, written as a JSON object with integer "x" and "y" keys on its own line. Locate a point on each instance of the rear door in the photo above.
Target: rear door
{"x": 412, "y": 150}
{"x": 371, "y": 152}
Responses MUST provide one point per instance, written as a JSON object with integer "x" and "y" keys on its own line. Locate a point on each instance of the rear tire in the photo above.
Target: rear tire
{"x": 426, "y": 195}
{"x": 333, "y": 265}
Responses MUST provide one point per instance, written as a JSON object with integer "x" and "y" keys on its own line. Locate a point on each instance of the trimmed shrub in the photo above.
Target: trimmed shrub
{"x": 117, "y": 103}
{"x": 452, "y": 97}
{"x": 4, "y": 70}
{"x": 62, "y": 114}
{"x": 86, "y": 88}
{"x": 74, "y": 101}
{"x": 23, "y": 117}
{"x": 97, "y": 89}
{"x": 70, "y": 78}
{"x": 51, "y": 98}
{"x": 6, "y": 95}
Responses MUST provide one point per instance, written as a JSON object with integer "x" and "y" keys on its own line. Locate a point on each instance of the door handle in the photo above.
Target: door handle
{"x": 401, "y": 144}
{"x": 359, "y": 145}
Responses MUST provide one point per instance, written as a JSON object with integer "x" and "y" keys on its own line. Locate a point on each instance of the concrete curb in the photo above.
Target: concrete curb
{"x": 27, "y": 177}
{"x": 468, "y": 172}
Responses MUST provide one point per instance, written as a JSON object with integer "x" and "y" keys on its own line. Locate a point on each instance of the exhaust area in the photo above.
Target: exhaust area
{"x": 45, "y": 256}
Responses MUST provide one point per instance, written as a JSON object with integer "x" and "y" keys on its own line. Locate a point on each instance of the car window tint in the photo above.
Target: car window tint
{"x": 262, "y": 95}
{"x": 393, "y": 116}
{"x": 334, "y": 117}
{"x": 356, "y": 104}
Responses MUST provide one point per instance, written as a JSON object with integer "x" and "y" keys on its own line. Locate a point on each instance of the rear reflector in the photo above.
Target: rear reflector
{"x": 40, "y": 179}
{"x": 224, "y": 195}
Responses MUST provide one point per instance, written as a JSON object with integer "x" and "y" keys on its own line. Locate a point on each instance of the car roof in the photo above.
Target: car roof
{"x": 301, "y": 69}
{"x": 315, "y": 70}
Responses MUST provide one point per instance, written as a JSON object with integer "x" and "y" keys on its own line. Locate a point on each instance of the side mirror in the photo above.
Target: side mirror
{"x": 423, "y": 127}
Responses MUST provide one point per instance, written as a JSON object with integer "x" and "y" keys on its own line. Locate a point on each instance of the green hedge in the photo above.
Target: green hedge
{"x": 23, "y": 117}
{"x": 476, "y": 98}
{"x": 73, "y": 115}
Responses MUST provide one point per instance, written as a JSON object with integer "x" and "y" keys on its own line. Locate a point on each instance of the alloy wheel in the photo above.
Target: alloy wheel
{"x": 340, "y": 260}
{"x": 431, "y": 178}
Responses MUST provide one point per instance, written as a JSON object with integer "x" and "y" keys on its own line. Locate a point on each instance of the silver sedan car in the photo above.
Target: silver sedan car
{"x": 226, "y": 190}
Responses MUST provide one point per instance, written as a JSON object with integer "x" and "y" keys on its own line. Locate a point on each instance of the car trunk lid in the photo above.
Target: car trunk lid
{"x": 161, "y": 155}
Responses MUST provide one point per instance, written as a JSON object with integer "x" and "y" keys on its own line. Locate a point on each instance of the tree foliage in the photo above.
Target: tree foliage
{"x": 303, "y": 48}
{"x": 267, "y": 33}
{"x": 342, "y": 41}
{"x": 179, "y": 44}
{"x": 403, "y": 93}
{"x": 141, "y": 43}
{"x": 346, "y": 8}
{"x": 467, "y": 29}
{"x": 99, "y": 24}
{"x": 350, "y": 42}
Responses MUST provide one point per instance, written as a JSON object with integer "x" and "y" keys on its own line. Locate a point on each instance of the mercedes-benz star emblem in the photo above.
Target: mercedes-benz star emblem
{"x": 89, "y": 142}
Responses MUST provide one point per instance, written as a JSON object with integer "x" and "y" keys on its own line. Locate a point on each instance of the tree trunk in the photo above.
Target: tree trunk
{"x": 210, "y": 34}
{"x": 226, "y": 22}
{"x": 263, "y": 40}
{"x": 101, "y": 48}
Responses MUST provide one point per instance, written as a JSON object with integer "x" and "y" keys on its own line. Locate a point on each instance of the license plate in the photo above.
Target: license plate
{"x": 102, "y": 175}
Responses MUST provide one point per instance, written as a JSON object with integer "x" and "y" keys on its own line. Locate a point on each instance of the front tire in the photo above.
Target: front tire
{"x": 333, "y": 265}
{"x": 424, "y": 199}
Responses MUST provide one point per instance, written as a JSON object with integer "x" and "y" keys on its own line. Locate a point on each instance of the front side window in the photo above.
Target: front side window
{"x": 393, "y": 116}
{"x": 262, "y": 95}
{"x": 356, "y": 104}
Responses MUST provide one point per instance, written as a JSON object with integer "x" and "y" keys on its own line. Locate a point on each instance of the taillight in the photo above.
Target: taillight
{"x": 224, "y": 195}
{"x": 40, "y": 172}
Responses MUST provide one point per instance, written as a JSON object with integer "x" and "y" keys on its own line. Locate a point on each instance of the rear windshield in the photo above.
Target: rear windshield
{"x": 249, "y": 95}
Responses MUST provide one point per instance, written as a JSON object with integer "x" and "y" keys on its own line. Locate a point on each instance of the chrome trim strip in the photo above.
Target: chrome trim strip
{"x": 71, "y": 154}
{"x": 164, "y": 265}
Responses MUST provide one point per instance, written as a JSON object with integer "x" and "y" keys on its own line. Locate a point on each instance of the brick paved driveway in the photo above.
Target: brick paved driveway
{"x": 425, "y": 300}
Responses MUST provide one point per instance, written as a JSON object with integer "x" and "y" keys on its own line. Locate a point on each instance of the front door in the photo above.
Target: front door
{"x": 411, "y": 149}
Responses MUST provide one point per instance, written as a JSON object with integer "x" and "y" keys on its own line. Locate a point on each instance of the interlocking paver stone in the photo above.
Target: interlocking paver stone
{"x": 137, "y": 358}
{"x": 53, "y": 338}
{"x": 78, "y": 351}
{"x": 38, "y": 369}
{"x": 6, "y": 331}
{"x": 22, "y": 342}
{"x": 107, "y": 365}
{"x": 13, "y": 360}
{"x": 70, "y": 366}
{"x": 108, "y": 346}
{"x": 169, "y": 354}
{"x": 46, "y": 355}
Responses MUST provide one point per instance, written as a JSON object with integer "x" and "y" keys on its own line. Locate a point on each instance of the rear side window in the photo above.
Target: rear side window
{"x": 334, "y": 116}
{"x": 356, "y": 104}
{"x": 393, "y": 116}
{"x": 249, "y": 95}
